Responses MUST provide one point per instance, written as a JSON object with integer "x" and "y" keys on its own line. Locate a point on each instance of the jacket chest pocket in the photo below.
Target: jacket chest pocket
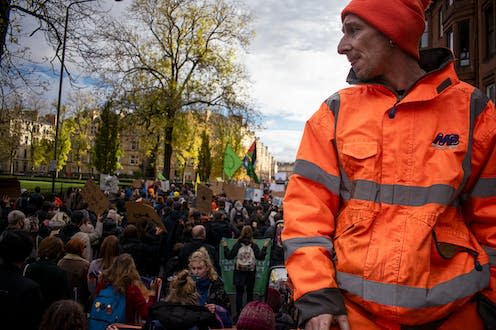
{"x": 360, "y": 159}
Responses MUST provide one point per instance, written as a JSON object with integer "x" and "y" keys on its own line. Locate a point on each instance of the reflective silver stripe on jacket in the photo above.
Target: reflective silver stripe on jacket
{"x": 412, "y": 297}
{"x": 399, "y": 194}
{"x": 484, "y": 188}
{"x": 293, "y": 244}
{"x": 491, "y": 252}
{"x": 313, "y": 172}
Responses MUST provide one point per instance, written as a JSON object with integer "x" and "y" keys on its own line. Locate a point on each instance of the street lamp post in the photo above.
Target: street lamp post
{"x": 53, "y": 165}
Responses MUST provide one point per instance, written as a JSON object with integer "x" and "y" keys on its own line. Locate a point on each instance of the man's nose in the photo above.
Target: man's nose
{"x": 343, "y": 46}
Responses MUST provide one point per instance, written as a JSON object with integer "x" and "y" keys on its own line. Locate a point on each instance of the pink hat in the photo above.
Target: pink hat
{"x": 256, "y": 315}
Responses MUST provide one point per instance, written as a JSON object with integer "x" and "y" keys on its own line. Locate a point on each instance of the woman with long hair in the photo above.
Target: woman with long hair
{"x": 76, "y": 268}
{"x": 180, "y": 310}
{"x": 108, "y": 251}
{"x": 209, "y": 285}
{"x": 245, "y": 269}
{"x": 125, "y": 279}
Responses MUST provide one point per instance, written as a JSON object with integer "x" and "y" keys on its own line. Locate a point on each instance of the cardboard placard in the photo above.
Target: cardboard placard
{"x": 234, "y": 193}
{"x": 10, "y": 187}
{"x": 278, "y": 194}
{"x": 216, "y": 188}
{"x": 96, "y": 199}
{"x": 138, "y": 212}
{"x": 204, "y": 199}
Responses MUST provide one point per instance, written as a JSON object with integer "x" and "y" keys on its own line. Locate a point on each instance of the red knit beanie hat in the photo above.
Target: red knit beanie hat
{"x": 256, "y": 315}
{"x": 402, "y": 21}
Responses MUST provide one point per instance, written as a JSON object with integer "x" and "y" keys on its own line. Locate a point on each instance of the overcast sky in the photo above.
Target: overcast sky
{"x": 294, "y": 66}
{"x": 292, "y": 62}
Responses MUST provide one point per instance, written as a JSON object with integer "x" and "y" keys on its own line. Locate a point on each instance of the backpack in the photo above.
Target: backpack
{"x": 245, "y": 259}
{"x": 238, "y": 216}
{"x": 108, "y": 307}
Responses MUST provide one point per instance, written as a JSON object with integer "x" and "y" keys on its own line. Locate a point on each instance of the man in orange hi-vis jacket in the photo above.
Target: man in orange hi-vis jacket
{"x": 390, "y": 216}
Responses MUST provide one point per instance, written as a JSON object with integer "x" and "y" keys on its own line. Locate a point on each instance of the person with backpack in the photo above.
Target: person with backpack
{"x": 181, "y": 310}
{"x": 121, "y": 288}
{"x": 246, "y": 253}
{"x": 238, "y": 215}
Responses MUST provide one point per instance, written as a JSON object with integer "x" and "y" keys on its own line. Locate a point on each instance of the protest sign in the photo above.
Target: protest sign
{"x": 96, "y": 199}
{"x": 281, "y": 177}
{"x": 257, "y": 195}
{"x": 138, "y": 183}
{"x": 109, "y": 183}
{"x": 10, "y": 187}
{"x": 227, "y": 268}
{"x": 277, "y": 187}
{"x": 165, "y": 185}
{"x": 204, "y": 199}
{"x": 248, "y": 194}
{"x": 277, "y": 201}
{"x": 216, "y": 188}
{"x": 138, "y": 212}
{"x": 278, "y": 194}
{"x": 234, "y": 193}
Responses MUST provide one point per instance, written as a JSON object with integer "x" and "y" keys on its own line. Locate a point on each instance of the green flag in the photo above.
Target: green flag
{"x": 160, "y": 176}
{"x": 231, "y": 162}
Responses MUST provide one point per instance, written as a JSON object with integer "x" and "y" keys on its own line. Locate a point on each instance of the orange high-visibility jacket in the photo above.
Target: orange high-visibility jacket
{"x": 393, "y": 200}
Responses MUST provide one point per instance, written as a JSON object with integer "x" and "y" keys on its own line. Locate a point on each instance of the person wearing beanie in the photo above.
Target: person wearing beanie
{"x": 256, "y": 315}
{"x": 390, "y": 215}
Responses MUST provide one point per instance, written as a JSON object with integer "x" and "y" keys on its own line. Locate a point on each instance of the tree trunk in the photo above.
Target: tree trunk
{"x": 4, "y": 25}
{"x": 167, "y": 151}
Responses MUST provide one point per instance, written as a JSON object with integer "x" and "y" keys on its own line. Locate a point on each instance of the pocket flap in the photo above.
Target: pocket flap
{"x": 360, "y": 150}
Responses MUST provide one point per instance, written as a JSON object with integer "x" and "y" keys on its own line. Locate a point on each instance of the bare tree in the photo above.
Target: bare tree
{"x": 181, "y": 52}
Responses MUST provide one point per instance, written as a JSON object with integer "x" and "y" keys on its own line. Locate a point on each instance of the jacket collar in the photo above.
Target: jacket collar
{"x": 430, "y": 60}
{"x": 440, "y": 74}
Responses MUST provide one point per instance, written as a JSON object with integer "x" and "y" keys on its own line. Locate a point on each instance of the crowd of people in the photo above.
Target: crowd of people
{"x": 64, "y": 267}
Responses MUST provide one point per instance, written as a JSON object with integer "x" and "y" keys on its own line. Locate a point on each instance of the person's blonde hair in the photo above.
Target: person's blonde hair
{"x": 122, "y": 273}
{"x": 182, "y": 290}
{"x": 201, "y": 255}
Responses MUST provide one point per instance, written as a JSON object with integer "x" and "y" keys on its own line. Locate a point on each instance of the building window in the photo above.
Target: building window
{"x": 464, "y": 42}
{"x": 424, "y": 41}
{"x": 133, "y": 160}
{"x": 490, "y": 33}
{"x": 25, "y": 153}
{"x": 450, "y": 39}
{"x": 441, "y": 25}
{"x": 491, "y": 92}
{"x": 134, "y": 145}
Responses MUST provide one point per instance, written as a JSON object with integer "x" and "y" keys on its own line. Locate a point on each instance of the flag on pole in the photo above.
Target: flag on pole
{"x": 197, "y": 181}
{"x": 160, "y": 176}
{"x": 249, "y": 162}
{"x": 231, "y": 162}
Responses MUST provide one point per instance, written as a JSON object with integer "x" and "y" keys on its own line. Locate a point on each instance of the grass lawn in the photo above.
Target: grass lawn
{"x": 46, "y": 186}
